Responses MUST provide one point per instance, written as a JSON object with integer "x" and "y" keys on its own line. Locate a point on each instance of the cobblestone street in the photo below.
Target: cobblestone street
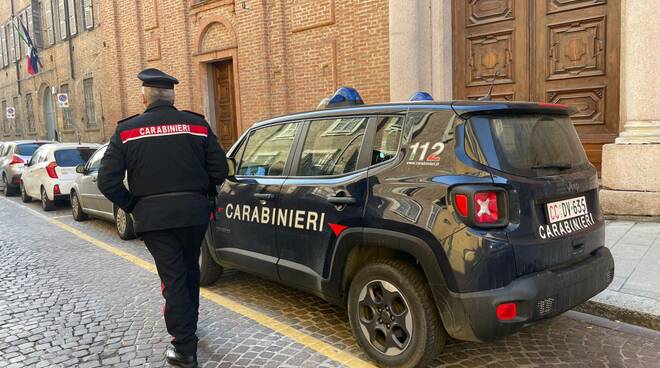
{"x": 66, "y": 301}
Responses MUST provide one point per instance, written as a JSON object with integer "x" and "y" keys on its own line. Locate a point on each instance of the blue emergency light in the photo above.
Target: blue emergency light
{"x": 421, "y": 96}
{"x": 345, "y": 96}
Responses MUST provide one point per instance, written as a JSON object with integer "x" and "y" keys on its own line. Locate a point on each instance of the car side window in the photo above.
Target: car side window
{"x": 94, "y": 163}
{"x": 332, "y": 147}
{"x": 388, "y": 136}
{"x": 36, "y": 157}
{"x": 267, "y": 150}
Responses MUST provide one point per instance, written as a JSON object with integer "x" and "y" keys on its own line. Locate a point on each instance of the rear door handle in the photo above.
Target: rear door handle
{"x": 341, "y": 200}
{"x": 264, "y": 196}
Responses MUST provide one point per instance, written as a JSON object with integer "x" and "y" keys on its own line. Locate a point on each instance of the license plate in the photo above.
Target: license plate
{"x": 566, "y": 209}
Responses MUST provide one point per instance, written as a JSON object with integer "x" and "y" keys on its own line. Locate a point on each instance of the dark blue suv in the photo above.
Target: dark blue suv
{"x": 425, "y": 219}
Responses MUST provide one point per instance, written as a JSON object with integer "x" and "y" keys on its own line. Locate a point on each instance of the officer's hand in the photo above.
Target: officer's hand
{"x": 213, "y": 192}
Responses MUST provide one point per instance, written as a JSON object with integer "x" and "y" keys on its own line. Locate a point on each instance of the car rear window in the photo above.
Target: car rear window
{"x": 73, "y": 157}
{"x": 27, "y": 149}
{"x": 528, "y": 145}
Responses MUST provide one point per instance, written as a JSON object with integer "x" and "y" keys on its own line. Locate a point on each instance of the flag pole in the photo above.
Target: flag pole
{"x": 18, "y": 73}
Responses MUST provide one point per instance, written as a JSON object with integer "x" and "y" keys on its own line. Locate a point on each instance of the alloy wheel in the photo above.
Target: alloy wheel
{"x": 121, "y": 221}
{"x": 385, "y": 317}
{"x": 74, "y": 205}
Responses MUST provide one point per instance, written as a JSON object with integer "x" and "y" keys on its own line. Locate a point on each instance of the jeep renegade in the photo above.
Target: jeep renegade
{"x": 425, "y": 219}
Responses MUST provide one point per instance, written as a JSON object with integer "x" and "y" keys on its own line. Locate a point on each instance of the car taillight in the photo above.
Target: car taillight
{"x": 480, "y": 205}
{"x": 50, "y": 169}
{"x": 461, "y": 202}
{"x": 506, "y": 311}
{"x": 16, "y": 160}
{"x": 56, "y": 189}
{"x": 485, "y": 211}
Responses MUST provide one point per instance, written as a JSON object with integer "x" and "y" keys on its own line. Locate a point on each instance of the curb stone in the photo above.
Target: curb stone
{"x": 614, "y": 313}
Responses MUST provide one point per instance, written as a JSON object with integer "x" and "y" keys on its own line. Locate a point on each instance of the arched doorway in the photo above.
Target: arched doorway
{"x": 49, "y": 113}
{"x": 216, "y": 56}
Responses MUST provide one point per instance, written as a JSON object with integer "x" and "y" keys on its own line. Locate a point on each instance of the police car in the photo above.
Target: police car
{"x": 425, "y": 219}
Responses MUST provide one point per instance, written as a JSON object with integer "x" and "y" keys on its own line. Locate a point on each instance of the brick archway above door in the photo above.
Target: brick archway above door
{"x": 215, "y": 33}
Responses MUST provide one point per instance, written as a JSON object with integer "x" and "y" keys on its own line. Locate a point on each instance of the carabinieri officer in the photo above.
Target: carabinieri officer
{"x": 173, "y": 161}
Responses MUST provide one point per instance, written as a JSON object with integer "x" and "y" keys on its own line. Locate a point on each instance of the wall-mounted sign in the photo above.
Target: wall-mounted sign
{"x": 63, "y": 100}
{"x": 11, "y": 113}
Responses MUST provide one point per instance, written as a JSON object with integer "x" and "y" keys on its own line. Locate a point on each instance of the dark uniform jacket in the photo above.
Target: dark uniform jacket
{"x": 173, "y": 161}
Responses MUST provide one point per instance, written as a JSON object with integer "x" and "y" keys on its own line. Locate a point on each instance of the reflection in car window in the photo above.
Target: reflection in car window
{"x": 267, "y": 150}
{"x": 95, "y": 162}
{"x": 388, "y": 135}
{"x": 332, "y": 146}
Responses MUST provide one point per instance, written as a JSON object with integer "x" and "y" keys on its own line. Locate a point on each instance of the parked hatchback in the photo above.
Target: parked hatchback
{"x": 87, "y": 200}
{"x": 424, "y": 219}
{"x": 51, "y": 171}
{"x": 13, "y": 157}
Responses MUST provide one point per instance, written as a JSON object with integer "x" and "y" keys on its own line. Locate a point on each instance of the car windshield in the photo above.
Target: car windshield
{"x": 529, "y": 145}
{"x": 27, "y": 149}
{"x": 73, "y": 156}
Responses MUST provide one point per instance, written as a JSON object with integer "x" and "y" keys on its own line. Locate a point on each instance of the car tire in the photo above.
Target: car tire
{"x": 24, "y": 197}
{"x": 209, "y": 270}
{"x": 76, "y": 208}
{"x": 9, "y": 191}
{"x": 393, "y": 315}
{"x": 46, "y": 204}
{"x": 124, "y": 225}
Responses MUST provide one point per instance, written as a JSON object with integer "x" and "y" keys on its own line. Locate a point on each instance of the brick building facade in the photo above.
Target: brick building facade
{"x": 243, "y": 61}
{"x": 240, "y": 62}
{"x": 69, "y": 65}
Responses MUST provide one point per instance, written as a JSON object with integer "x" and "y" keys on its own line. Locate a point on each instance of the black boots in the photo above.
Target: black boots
{"x": 177, "y": 359}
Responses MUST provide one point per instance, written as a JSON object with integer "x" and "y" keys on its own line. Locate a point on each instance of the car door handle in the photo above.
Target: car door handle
{"x": 264, "y": 196}
{"x": 341, "y": 200}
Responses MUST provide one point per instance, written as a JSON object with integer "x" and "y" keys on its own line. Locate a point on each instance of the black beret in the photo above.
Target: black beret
{"x": 153, "y": 77}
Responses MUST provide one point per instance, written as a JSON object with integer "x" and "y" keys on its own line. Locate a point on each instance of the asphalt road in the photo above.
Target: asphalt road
{"x": 74, "y": 294}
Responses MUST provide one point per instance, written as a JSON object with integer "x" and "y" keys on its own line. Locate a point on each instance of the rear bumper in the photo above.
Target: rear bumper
{"x": 472, "y": 316}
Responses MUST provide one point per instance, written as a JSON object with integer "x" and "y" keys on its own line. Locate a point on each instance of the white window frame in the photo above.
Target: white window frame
{"x": 4, "y": 57}
{"x": 87, "y": 13}
{"x": 49, "y": 22}
{"x": 289, "y": 131}
{"x": 342, "y": 126}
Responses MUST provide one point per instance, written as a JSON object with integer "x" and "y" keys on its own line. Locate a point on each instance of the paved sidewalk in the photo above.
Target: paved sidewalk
{"x": 636, "y": 286}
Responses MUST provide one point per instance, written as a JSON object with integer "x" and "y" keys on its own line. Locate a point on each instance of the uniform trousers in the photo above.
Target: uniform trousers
{"x": 176, "y": 254}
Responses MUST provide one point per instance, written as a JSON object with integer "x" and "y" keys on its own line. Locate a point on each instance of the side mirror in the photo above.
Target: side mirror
{"x": 80, "y": 169}
{"x": 231, "y": 165}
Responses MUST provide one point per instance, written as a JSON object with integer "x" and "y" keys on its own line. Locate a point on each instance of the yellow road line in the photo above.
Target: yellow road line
{"x": 323, "y": 348}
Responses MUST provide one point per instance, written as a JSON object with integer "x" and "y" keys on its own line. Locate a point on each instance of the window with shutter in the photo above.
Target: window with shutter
{"x": 88, "y": 13}
{"x": 5, "y": 121}
{"x": 29, "y": 106}
{"x": 73, "y": 25}
{"x": 17, "y": 119}
{"x": 11, "y": 41}
{"x": 48, "y": 22}
{"x": 29, "y": 24}
{"x": 67, "y": 117}
{"x": 3, "y": 48}
{"x": 90, "y": 107}
{"x": 17, "y": 39}
{"x": 61, "y": 15}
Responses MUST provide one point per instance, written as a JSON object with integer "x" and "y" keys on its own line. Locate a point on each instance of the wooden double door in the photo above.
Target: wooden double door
{"x": 559, "y": 51}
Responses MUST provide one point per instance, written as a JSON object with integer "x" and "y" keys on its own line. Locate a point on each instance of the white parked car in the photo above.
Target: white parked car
{"x": 50, "y": 173}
